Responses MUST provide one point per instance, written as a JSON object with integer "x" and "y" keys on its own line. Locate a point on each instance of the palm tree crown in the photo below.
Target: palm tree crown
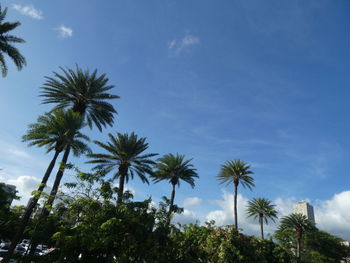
{"x": 236, "y": 172}
{"x": 125, "y": 158}
{"x": 83, "y": 92}
{"x": 174, "y": 168}
{"x": 6, "y": 46}
{"x": 296, "y": 222}
{"x": 56, "y": 130}
{"x": 262, "y": 209}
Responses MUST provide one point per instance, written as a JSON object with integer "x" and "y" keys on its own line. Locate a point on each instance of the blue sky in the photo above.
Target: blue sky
{"x": 263, "y": 81}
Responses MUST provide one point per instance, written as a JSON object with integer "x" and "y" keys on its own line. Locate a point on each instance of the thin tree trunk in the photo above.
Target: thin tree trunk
{"x": 235, "y": 204}
{"x": 298, "y": 234}
{"x": 57, "y": 182}
{"x": 48, "y": 206}
{"x": 31, "y": 206}
{"x": 121, "y": 189}
{"x": 261, "y": 220}
{"x": 172, "y": 198}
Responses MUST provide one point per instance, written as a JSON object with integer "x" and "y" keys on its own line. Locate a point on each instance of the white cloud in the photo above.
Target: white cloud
{"x": 225, "y": 215}
{"x": 192, "y": 201}
{"x": 334, "y": 215}
{"x": 187, "y": 217}
{"x": 29, "y": 11}
{"x": 24, "y": 185}
{"x": 65, "y": 32}
{"x": 177, "y": 46}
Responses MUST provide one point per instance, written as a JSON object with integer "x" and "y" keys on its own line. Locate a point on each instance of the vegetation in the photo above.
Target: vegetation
{"x": 6, "y": 44}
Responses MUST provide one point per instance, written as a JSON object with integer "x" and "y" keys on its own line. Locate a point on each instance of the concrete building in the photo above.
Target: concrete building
{"x": 306, "y": 209}
{"x": 10, "y": 190}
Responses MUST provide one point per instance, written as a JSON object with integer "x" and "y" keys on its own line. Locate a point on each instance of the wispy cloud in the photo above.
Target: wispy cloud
{"x": 28, "y": 11}
{"x": 65, "y": 32}
{"x": 177, "y": 46}
{"x": 192, "y": 201}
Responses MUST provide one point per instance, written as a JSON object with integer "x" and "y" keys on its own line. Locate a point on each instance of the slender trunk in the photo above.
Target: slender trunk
{"x": 54, "y": 190}
{"x": 32, "y": 205}
{"x": 121, "y": 189}
{"x": 172, "y": 198}
{"x": 48, "y": 206}
{"x": 235, "y": 204}
{"x": 298, "y": 236}
{"x": 261, "y": 220}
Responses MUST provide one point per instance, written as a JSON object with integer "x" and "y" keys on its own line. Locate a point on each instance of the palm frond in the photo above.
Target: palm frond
{"x": 84, "y": 92}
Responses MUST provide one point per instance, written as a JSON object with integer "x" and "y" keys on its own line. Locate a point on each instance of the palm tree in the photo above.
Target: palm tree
{"x": 174, "y": 168}
{"x": 6, "y": 42}
{"x": 297, "y": 223}
{"x": 263, "y": 209}
{"x": 125, "y": 158}
{"x": 236, "y": 172}
{"x": 55, "y": 131}
{"x": 85, "y": 94}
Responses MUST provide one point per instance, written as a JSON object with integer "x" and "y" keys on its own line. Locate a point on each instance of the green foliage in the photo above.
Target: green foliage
{"x": 125, "y": 157}
{"x": 10, "y": 218}
{"x": 236, "y": 172}
{"x": 174, "y": 168}
{"x": 6, "y": 44}
{"x": 83, "y": 92}
{"x": 56, "y": 130}
{"x": 318, "y": 246}
{"x": 88, "y": 223}
{"x": 262, "y": 207}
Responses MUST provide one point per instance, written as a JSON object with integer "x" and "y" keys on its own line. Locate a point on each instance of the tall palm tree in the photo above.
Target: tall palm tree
{"x": 297, "y": 223}
{"x": 85, "y": 93}
{"x": 124, "y": 158}
{"x": 55, "y": 131}
{"x": 174, "y": 168}
{"x": 6, "y": 41}
{"x": 262, "y": 209}
{"x": 236, "y": 172}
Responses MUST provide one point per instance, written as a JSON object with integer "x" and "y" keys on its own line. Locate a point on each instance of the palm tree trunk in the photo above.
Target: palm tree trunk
{"x": 235, "y": 204}
{"x": 298, "y": 236}
{"x": 261, "y": 220}
{"x": 57, "y": 182}
{"x": 172, "y": 198}
{"x": 33, "y": 203}
{"x": 121, "y": 189}
{"x": 48, "y": 206}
